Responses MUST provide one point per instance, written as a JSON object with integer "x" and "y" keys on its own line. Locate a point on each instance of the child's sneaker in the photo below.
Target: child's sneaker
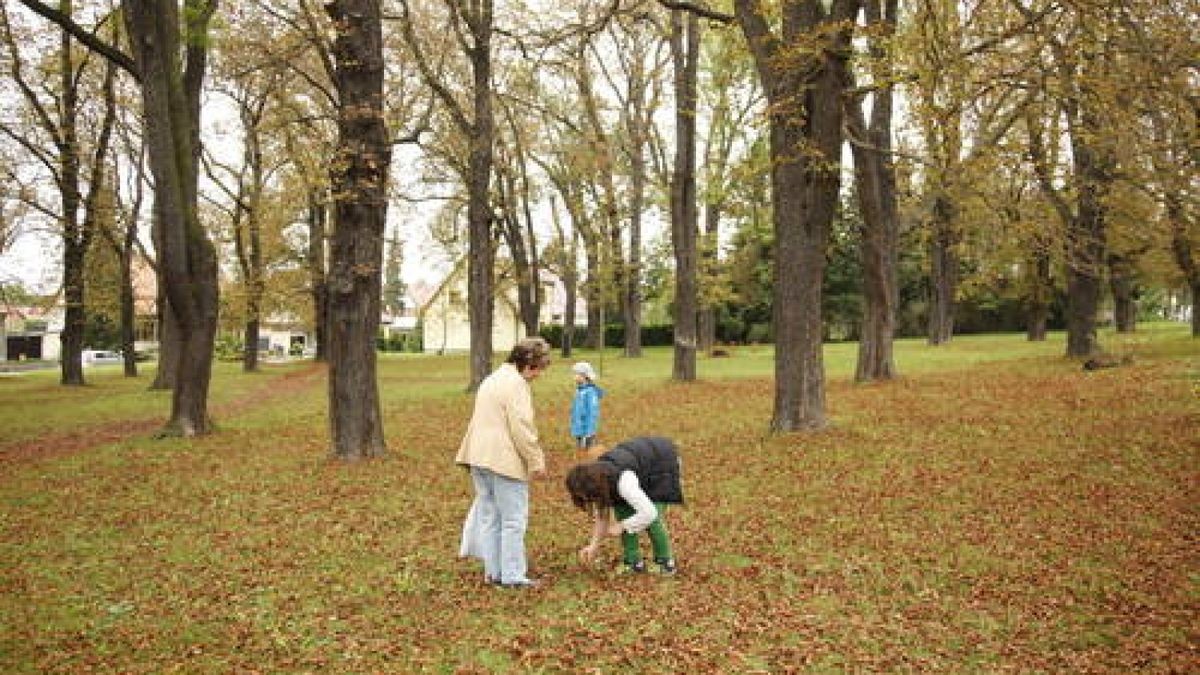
{"x": 638, "y": 567}
{"x": 665, "y": 567}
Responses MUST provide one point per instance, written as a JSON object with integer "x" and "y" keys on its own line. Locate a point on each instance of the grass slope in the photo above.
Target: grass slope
{"x": 995, "y": 509}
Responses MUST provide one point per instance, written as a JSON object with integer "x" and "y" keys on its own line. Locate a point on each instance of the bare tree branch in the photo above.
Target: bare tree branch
{"x": 87, "y": 38}
{"x": 698, "y": 9}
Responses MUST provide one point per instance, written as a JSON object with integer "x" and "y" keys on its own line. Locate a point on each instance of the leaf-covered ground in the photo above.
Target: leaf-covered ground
{"x": 997, "y": 509}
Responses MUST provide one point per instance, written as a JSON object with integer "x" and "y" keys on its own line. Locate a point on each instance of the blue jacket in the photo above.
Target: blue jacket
{"x": 585, "y": 410}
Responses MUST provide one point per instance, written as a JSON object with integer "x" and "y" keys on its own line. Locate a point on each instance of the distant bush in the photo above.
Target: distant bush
{"x": 400, "y": 342}
{"x": 228, "y": 349}
{"x": 614, "y": 335}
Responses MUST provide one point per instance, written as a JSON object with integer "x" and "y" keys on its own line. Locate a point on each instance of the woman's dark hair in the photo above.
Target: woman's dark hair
{"x": 531, "y": 351}
{"x": 588, "y": 486}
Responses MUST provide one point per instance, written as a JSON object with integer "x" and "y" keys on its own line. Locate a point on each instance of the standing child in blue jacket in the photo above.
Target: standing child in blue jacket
{"x": 585, "y": 408}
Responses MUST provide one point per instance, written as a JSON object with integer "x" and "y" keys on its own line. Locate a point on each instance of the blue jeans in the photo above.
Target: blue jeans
{"x": 503, "y": 517}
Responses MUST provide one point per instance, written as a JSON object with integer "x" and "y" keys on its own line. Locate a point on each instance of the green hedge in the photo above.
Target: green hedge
{"x": 614, "y": 335}
{"x": 400, "y": 343}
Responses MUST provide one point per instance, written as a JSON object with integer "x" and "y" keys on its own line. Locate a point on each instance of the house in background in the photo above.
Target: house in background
{"x": 34, "y": 332}
{"x": 405, "y": 320}
{"x": 446, "y": 329}
{"x": 31, "y": 333}
{"x": 284, "y": 334}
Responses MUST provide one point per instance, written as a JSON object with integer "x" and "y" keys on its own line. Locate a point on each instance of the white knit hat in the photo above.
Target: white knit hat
{"x": 585, "y": 369}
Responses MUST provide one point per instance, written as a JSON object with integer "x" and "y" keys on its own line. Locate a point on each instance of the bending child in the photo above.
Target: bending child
{"x": 638, "y": 478}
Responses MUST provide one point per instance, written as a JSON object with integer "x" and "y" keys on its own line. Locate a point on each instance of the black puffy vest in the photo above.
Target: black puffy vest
{"x": 655, "y": 462}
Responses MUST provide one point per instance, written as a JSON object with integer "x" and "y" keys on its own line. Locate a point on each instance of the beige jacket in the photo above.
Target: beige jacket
{"x": 501, "y": 435}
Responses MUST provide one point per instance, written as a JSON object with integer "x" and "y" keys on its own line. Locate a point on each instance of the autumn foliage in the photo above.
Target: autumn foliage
{"x": 996, "y": 509}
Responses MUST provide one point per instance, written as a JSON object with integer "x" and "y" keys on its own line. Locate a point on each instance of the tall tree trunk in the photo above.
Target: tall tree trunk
{"x": 164, "y": 319}
{"x": 571, "y": 282}
{"x": 75, "y": 319}
{"x": 1194, "y": 286}
{"x": 524, "y": 272}
{"x": 633, "y": 276}
{"x": 637, "y": 127}
{"x": 568, "y": 268}
{"x": 593, "y": 292}
{"x": 356, "y": 253}
{"x": 248, "y": 242}
{"x": 170, "y": 101}
{"x": 1182, "y": 249}
{"x": 877, "y": 202}
{"x": 685, "y": 46}
{"x": 128, "y": 304}
{"x": 168, "y": 338}
{"x": 1086, "y": 240}
{"x": 315, "y": 260}
{"x": 706, "y": 319}
{"x": 1038, "y": 301}
{"x": 76, "y": 236}
{"x": 521, "y": 249}
{"x": 804, "y": 92}
{"x": 531, "y": 312}
{"x": 943, "y": 270}
{"x": 480, "y": 252}
{"x": 1122, "y": 286}
{"x": 517, "y": 227}
{"x": 250, "y": 336}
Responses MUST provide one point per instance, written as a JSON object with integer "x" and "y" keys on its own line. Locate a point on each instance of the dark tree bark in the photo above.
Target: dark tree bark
{"x": 1081, "y": 208}
{"x": 685, "y": 48}
{"x": 170, "y": 101}
{"x": 169, "y": 343}
{"x": 315, "y": 261}
{"x": 1123, "y": 287}
{"x": 637, "y": 126}
{"x": 475, "y": 21}
{"x": 706, "y": 318}
{"x": 518, "y": 236}
{"x": 566, "y": 264}
{"x": 593, "y": 289}
{"x": 943, "y": 269}
{"x": 76, "y": 236}
{"x": 481, "y": 257}
{"x": 1041, "y": 286}
{"x": 355, "y": 281}
{"x": 532, "y": 311}
{"x": 601, "y": 235}
{"x": 570, "y": 281}
{"x": 128, "y": 303}
{"x": 124, "y": 243}
{"x": 1086, "y": 237}
{"x": 247, "y": 224}
{"x": 804, "y": 90}
{"x": 876, "y": 178}
{"x": 1185, "y": 257}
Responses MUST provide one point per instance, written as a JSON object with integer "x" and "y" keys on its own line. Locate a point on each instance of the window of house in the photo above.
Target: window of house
{"x": 144, "y": 329}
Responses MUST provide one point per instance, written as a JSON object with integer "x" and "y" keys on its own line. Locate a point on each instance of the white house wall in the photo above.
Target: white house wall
{"x": 445, "y": 327}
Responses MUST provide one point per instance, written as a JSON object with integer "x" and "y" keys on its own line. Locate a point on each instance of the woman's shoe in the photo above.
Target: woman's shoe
{"x": 524, "y": 583}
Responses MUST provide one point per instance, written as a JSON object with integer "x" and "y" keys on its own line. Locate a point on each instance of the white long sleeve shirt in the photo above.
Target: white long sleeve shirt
{"x": 645, "y": 512}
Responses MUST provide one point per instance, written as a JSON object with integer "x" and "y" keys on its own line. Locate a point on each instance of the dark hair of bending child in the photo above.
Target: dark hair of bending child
{"x": 627, "y": 490}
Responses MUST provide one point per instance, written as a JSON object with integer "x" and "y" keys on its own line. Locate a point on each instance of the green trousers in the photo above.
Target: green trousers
{"x": 659, "y": 539}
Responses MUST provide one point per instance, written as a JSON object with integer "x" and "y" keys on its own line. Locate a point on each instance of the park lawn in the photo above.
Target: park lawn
{"x": 996, "y": 508}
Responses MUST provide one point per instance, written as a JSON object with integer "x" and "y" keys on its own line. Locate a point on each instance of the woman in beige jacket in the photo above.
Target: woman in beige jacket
{"x": 501, "y": 450}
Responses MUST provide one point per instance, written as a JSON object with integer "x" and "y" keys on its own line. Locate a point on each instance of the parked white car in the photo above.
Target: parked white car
{"x": 100, "y": 357}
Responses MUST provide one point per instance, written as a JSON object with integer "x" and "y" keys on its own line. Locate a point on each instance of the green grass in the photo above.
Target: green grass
{"x": 994, "y": 509}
